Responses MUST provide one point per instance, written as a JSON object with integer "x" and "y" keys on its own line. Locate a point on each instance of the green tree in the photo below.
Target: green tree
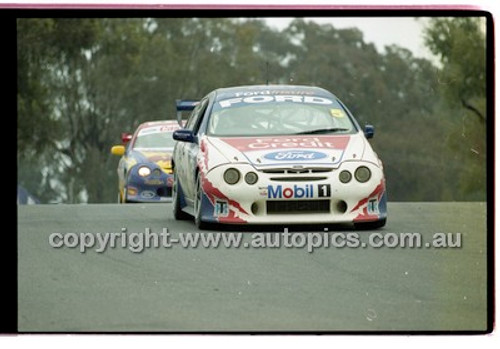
{"x": 42, "y": 44}
{"x": 461, "y": 46}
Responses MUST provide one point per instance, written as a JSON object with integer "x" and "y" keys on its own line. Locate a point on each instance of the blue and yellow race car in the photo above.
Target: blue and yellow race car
{"x": 145, "y": 168}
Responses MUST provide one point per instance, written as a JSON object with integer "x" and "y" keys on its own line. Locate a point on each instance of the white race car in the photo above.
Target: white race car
{"x": 276, "y": 154}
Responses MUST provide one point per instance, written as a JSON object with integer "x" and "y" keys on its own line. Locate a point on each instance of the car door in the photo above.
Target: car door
{"x": 189, "y": 152}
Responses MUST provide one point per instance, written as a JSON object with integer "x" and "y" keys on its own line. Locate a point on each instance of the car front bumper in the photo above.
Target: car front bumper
{"x": 317, "y": 196}
{"x": 150, "y": 190}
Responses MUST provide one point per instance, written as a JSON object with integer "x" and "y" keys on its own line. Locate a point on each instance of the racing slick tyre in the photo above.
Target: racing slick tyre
{"x": 179, "y": 214}
{"x": 124, "y": 196}
{"x": 197, "y": 206}
{"x": 370, "y": 225}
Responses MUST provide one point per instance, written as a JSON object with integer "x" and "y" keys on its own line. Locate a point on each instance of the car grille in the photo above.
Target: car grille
{"x": 294, "y": 171}
{"x": 297, "y": 179}
{"x": 297, "y": 174}
{"x": 297, "y": 206}
{"x": 164, "y": 191}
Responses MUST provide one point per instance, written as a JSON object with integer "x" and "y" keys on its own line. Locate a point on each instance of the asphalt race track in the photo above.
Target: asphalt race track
{"x": 249, "y": 289}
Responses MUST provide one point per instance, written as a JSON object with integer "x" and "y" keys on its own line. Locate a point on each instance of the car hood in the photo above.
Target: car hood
{"x": 161, "y": 157}
{"x": 292, "y": 151}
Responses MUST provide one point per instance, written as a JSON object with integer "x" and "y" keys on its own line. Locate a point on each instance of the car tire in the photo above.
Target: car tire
{"x": 179, "y": 214}
{"x": 371, "y": 225}
{"x": 197, "y": 206}
{"x": 124, "y": 197}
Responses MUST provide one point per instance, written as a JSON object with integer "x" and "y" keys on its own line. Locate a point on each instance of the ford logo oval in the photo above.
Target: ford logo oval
{"x": 147, "y": 194}
{"x": 295, "y": 155}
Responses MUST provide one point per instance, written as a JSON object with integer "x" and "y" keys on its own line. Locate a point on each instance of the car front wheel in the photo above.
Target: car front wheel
{"x": 123, "y": 197}
{"x": 179, "y": 214}
{"x": 370, "y": 225}
{"x": 198, "y": 206}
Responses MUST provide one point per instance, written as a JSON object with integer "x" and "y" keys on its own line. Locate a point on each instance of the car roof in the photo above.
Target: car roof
{"x": 249, "y": 90}
{"x": 173, "y": 124}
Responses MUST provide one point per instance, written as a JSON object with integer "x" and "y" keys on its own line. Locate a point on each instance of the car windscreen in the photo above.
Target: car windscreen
{"x": 154, "y": 140}
{"x": 278, "y": 115}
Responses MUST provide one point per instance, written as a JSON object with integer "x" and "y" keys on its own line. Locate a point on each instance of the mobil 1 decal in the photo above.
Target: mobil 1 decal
{"x": 296, "y": 191}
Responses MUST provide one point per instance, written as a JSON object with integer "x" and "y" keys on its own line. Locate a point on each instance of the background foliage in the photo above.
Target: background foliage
{"x": 81, "y": 82}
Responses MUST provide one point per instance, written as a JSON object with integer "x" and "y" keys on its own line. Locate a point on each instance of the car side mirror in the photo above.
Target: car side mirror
{"x": 369, "y": 131}
{"x": 184, "y": 136}
{"x": 126, "y": 137}
{"x": 118, "y": 150}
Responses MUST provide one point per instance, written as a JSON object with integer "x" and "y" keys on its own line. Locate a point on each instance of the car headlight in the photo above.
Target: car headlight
{"x": 231, "y": 176}
{"x": 362, "y": 174}
{"x": 144, "y": 171}
{"x": 345, "y": 176}
{"x": 251, "y": 178}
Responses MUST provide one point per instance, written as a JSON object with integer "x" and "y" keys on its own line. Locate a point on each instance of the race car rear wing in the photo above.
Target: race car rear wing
{"x": 183, "y": 105}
